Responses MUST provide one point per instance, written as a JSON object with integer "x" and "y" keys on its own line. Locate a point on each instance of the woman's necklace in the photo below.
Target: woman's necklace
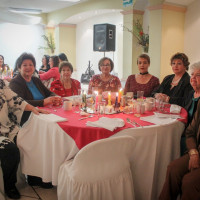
{"x": 174, "y": 82}
{"x": 144, "y": 73}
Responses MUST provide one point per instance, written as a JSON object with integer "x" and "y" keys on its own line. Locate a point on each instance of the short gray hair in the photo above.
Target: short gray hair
{"x": 194, "y": 66}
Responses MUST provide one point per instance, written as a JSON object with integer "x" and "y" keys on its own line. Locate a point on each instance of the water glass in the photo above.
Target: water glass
{"x": 80, "y": 92}
{"x": 140, "y": 108}
{"x": 101, "y": 108}
{"x": 140, "y": 95}
{"x": 159, "y": 105}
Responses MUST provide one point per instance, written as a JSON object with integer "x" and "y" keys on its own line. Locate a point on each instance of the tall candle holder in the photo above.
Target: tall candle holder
{"x": 84, "y": 101}
{"x": 117, "y": 104}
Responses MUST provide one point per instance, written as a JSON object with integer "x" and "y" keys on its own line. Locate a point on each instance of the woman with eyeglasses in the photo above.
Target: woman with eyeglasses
{"x": 105, "y": 81}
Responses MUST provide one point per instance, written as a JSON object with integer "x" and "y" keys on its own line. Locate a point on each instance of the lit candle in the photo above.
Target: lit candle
{"x": 109, "y": 98}
{"x": 120, "y": 94}
{"x": 96, "y": 99}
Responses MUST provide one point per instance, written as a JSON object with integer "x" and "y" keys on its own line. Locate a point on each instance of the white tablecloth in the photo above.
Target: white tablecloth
{"x": 44, "y": 146}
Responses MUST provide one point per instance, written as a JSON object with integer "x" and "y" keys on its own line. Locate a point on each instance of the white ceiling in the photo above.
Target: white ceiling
{"x": 53, "y": 5}
{"x": 45, "y": 5}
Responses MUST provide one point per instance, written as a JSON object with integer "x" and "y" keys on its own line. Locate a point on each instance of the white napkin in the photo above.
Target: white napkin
{"x": 175, "y": 109}
{"x": 53, "y": 118}
{"x": 158, "y": 121}
{"x": 162, "y": 115}
{"x": 108, "y": 123}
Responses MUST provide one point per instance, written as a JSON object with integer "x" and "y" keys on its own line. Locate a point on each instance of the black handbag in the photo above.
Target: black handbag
{"x": 86, "y": 77}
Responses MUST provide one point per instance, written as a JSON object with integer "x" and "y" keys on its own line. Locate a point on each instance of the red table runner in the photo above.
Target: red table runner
{"x": 84, "y": 135}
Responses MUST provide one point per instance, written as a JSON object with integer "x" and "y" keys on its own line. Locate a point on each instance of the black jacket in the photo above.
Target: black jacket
{"x": 181, "y": 91}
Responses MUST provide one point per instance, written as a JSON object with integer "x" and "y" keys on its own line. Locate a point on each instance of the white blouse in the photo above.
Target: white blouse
{"x": 11, "y": 110}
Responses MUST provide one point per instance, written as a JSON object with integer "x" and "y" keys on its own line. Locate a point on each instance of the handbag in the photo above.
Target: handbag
{"x": 86, "y": 77}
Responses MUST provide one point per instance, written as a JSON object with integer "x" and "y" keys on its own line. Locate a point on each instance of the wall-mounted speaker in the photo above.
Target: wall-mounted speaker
{"x": 104, "y": 37}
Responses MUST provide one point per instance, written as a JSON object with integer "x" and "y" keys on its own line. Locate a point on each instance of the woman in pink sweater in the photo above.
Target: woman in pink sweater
{"x": 53, "y": 73}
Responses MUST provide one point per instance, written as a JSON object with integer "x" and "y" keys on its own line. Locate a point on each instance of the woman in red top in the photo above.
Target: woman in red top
{"x": 52, "y": 74}
{"x": 143, "y": 81}
{"x": 65, "y": 86}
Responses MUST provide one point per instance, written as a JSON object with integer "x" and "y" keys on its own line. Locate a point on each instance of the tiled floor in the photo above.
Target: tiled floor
{"x": 33, "y": 193}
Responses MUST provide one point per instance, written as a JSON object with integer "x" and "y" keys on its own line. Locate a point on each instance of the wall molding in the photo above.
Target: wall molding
{"x": 171, "y": 7}
{"x": 66, "y": 25}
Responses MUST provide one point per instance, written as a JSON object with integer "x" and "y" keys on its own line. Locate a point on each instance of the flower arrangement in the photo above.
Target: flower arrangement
{"x": 50, "y": 43}
{"x": 137, "y": 31}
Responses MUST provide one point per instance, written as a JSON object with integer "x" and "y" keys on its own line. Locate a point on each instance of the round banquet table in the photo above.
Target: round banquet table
{"x": 45, "y": 144}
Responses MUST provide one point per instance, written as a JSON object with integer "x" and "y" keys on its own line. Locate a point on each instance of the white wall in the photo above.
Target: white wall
{"x": 84, "y": 44}
{"x": 16, "y": 39}
{"x": 192, "y": 32}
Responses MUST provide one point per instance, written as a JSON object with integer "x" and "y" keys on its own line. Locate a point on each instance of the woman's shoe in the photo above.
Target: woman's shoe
{"x": 34, "y": 180}
{"x": 46, "y": 185}
{"x": 13, "y": 193}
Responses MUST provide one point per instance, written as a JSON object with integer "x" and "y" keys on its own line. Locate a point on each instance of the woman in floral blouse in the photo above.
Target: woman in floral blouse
{"x": 65, "y": 86}
{"x": 105, "y": 81}
{"x": 11, "y": 110}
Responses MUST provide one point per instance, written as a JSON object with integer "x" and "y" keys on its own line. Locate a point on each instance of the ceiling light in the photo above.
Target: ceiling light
{"x": 25, "y": 10}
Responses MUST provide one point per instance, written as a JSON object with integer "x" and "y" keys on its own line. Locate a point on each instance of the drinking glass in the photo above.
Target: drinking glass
{"x": 80, "y": 92}
{"x": 140, "y": 95}
{"x": 101, "y": 106}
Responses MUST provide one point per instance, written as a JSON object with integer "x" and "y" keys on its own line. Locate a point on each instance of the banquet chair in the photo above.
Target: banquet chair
{"x": 100, "y": 171}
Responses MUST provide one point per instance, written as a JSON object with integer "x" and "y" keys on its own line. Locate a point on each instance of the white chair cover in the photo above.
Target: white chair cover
{"x": 100, "y": 171}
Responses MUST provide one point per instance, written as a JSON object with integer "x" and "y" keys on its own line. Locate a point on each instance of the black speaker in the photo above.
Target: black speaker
{"x": 104, "y": 37}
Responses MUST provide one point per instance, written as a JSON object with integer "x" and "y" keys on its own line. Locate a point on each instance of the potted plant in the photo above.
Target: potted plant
{"x": 137, "y": 31}
{"x": 49, "y": 42}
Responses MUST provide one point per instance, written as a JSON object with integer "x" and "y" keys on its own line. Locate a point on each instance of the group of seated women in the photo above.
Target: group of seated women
{"x": 178, "y": 88}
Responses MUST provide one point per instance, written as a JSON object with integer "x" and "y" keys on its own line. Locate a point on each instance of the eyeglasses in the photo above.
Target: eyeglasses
{"x": 107, "y": 65}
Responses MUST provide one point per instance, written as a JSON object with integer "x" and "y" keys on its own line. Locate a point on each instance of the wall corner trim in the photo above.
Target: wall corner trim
{"x": 133, "y": 11}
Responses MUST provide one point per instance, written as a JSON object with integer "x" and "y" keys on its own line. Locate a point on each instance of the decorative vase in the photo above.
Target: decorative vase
{"x": 145, "y": 49}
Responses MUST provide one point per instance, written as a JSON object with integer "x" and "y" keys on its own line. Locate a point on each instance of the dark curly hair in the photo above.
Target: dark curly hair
{"x": 102, "y": 60}
{"x": 182, "y": 57}
{"x": 55, "y": 61}
{"x": 25, "y": 56}
{"x": 65, "y": 64}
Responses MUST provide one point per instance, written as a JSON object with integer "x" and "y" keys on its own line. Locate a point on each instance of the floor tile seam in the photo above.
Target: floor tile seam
{"x": 34, "y": 189}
